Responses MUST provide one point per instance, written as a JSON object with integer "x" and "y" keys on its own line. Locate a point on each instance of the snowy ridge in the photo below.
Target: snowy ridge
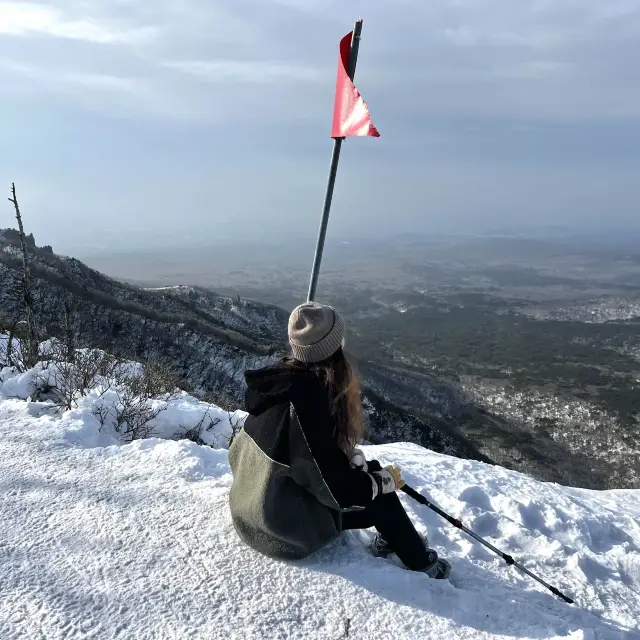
{"x": 136, "y": 541}
{"x": 256, "y": 319}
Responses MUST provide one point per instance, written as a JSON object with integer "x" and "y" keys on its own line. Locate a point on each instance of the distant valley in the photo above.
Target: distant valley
{"x": 528, "y": 350}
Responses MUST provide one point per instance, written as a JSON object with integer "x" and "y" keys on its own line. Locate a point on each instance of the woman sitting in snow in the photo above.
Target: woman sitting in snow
{"x": 298, "y": 478}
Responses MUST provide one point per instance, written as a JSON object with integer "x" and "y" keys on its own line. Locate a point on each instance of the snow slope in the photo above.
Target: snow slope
{"x": 136, "y": 541}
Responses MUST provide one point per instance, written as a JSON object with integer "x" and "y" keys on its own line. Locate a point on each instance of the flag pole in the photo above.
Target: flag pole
{"x": 333, "y": 170}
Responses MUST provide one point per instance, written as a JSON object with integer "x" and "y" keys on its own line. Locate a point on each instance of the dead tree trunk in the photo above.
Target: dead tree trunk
{"x": 10, "y": 361}
{"x": 30, "y": 353}
{"x": 69, "y": 329}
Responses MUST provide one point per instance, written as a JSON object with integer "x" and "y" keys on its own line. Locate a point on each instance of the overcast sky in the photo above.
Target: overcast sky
{"x": 123, "y": 120}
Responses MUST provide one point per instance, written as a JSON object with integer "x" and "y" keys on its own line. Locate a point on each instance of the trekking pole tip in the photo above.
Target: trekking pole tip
{"x": 561, "y": 595}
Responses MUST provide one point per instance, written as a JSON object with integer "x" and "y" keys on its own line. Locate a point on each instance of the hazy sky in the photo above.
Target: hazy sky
{"x": 122, "y": 120}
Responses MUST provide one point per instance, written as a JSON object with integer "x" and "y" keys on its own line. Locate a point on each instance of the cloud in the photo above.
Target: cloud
{"x": 93, "y": 92}
{"x": 502, "y": 105}
{"x": 253, "y": 71}
{"x": 24, "y": 18}
{"x": 484, "y": 58}
{"x": 97, "y": 81}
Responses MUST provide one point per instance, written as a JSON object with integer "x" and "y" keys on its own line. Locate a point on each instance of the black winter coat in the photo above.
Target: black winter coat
{"x": 291, "y": 480}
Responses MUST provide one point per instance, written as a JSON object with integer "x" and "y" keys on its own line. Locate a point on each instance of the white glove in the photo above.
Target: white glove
{"x": 387, "y": 480}
{"x": 357, "y": 460}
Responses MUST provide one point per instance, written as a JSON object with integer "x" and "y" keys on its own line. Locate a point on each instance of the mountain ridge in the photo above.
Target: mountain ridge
{"x": 207, "y": 339}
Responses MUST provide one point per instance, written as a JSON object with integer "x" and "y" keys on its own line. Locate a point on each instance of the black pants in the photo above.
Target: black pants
{"x": 388, "y": 516}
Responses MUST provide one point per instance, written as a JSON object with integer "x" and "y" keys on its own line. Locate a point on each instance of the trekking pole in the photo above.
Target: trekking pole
{"x": 418, "y": 497}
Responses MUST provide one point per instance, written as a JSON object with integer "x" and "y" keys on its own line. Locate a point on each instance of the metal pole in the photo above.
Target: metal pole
{"x": 333, "y": 170}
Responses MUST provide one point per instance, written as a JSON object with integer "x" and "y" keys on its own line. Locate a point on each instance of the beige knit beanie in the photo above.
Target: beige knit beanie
{"x": 316, "y": 332}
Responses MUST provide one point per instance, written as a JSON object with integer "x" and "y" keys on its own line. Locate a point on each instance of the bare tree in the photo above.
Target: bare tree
{"x": 69, "y": 328}
{"x": 13, "y": 357}
{"x": 236, "y": 422}
{"x": 30, "y": 352}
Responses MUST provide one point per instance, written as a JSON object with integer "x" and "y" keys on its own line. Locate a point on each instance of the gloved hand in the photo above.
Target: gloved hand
{"x": 357, "y": 460}
{"x": 373, "y": 465}
{"x": 387, "y": 480}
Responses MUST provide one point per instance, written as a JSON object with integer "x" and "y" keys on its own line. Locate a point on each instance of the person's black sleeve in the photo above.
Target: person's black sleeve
{"x": 350, "y": 487}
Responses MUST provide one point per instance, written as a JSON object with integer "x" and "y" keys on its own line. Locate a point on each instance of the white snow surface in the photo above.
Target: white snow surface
{"x": 136, "y": 541}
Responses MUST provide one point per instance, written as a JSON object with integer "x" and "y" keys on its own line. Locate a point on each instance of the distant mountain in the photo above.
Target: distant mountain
{"x": 207, "y": 339}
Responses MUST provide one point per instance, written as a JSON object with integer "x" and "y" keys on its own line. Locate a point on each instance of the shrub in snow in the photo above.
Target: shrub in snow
{"x": 217, "y": 427}
{"x": 128, "y": 414}
{"x": 127, "y": 400}
{"x": 68, "y": 375}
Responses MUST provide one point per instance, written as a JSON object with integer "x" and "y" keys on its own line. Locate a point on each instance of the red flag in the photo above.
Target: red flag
{"x": 351, "y": 115}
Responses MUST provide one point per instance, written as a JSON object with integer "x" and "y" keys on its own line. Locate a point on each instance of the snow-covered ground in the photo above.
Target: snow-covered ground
{"x": 136, "y": 541}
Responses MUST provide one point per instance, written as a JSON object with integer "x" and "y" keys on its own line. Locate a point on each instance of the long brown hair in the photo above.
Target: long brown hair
{"x": 341, "y": 381}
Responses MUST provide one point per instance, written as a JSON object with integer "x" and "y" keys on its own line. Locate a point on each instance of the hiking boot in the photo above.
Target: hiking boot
{"x": 380, "y": 547}
{"x": 437, "y": 568}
